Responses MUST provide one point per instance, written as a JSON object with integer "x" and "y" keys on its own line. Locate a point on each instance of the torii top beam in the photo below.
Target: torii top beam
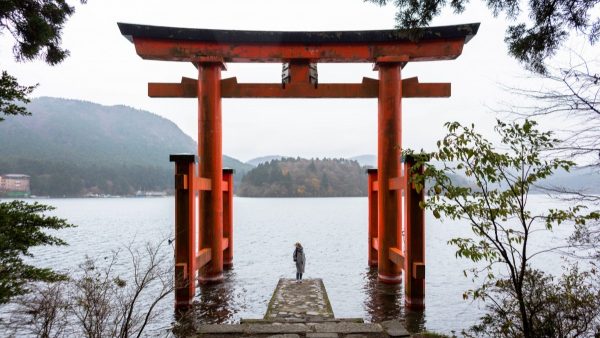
{"x": 194, "y": 45}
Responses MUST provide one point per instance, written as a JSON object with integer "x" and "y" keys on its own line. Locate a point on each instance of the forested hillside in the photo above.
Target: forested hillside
{"x": 71, "y": 148}
{"x": 297, "y": 177}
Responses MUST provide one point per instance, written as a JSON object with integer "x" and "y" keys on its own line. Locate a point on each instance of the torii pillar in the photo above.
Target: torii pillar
{"x": 389, "y": 140}
{"x": 210, "y": 151}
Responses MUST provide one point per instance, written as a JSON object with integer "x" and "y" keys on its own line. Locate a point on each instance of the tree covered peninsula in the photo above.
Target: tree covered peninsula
{"x": 297, "y": 177}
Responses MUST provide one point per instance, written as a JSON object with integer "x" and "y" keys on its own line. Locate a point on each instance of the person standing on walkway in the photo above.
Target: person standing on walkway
{"x": 300, "y": 260}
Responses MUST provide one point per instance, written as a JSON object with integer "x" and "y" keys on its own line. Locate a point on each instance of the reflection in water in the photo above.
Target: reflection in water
{"x": 385, "y": 302}
{"x": 215, "y": 303}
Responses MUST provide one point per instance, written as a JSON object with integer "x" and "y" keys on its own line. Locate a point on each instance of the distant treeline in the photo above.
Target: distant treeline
{"x": 297, "y": 177}
{"x": 72, "y": 179}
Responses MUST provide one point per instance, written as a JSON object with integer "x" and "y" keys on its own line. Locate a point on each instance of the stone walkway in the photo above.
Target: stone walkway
{"x": 302, "y": 310}
{"x": 304, "y": 301}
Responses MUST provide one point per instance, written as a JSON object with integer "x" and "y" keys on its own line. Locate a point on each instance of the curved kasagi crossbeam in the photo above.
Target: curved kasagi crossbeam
{"x": 189, "y": 44}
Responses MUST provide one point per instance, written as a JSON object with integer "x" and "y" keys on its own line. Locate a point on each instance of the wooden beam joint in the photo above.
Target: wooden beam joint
{"x": 397, "y": 257}
{"x": 202, "y": 184}
{"x": 204, "y": 256}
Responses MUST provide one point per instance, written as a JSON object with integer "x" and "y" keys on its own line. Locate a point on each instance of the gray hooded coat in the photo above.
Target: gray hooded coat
{"x": 300, "y": 259}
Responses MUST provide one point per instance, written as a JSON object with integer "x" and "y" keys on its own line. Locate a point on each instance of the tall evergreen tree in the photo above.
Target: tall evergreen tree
{"x": 532, "y": 40}
{"x": 36, "y": 26}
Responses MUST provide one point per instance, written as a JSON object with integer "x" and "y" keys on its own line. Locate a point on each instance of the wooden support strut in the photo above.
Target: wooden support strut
{"x": 185, "y": 237}
{"x": 414, "y": 284}
{"x": 373, "y": 217}
{"x": 228, "y": 217}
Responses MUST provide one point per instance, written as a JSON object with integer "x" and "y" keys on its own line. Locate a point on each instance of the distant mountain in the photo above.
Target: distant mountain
{"x": 263, "y": 159}
{"x": 366, "y": 160}
{"x": 72, "y": 147}
{"x": 240, "y": 167}
{"x": 585, "y": 180}
{"x": 297, "y": 177}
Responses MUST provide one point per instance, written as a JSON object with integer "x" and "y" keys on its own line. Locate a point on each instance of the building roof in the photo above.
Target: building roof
{"x": 15, "y": 176}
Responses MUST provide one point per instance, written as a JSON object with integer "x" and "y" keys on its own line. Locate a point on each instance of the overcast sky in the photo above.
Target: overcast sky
{"x": 104, "y": 68}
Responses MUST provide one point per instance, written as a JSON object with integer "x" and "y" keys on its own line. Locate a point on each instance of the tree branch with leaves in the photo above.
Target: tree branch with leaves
{"x": 496, "y": 205}
{"x": 23, "y": 226}
{"x": 531, "y": 41}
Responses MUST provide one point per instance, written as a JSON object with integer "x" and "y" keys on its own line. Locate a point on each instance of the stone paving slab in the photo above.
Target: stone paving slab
{"x": 395, "y": 328}
{"x": 301, "y": 320}
{"x": 221, "y": 328}
{"x": 305, "y": 300}
{"x": 348, "y": 328}
{"x": 274, "y": 328}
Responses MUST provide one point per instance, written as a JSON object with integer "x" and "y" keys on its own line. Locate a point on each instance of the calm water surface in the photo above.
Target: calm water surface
{"x": 333, "y": 232}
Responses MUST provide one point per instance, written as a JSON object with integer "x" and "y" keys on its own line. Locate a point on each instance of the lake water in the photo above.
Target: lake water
{"x": 333, "y": 232}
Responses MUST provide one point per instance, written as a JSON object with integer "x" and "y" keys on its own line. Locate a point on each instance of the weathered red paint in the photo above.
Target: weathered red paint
{"x": 228, "y": 216}
{"x": 414, "y": 286}
{"x": 373, "y": 216}
{"x": 210, "y": 165}
{"x": 173, "y": 50}
{"x": 388, "y": 163}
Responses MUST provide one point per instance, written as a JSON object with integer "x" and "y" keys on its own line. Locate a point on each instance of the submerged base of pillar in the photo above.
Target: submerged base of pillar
{"x": 373, "y": 262}
{"x": 414, "y": 303}
{"x": 210, "y": 279}
{"x": 390, "y": 279}
{"x": 228, "y": 264}
{"x": 183, "y": 305}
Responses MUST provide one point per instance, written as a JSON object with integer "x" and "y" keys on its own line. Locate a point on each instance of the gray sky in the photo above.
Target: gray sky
{"x": 104, "y": 68}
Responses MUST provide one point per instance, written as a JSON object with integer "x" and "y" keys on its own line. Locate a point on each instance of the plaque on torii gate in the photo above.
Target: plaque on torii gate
{"x": 299, "y": 52}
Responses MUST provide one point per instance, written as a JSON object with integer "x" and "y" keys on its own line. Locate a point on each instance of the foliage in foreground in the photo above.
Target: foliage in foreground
{"x": 36, "y": 27}
{"x": 22, "y": 227}
{"x": 569, "y": 307}
{"x": 497, "y": 211}
{"x": 97, "y": 301}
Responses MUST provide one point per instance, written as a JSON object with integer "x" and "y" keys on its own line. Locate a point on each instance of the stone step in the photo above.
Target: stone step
{"x": 314, "y": 330}
{"x": 292, "y": 320}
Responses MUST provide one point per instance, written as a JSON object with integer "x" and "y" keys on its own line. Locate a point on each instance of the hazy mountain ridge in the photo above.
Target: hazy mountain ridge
{"x": 366, "y": 160}
{"x": 73, "y": 147}
{"x": 263, "y": 159}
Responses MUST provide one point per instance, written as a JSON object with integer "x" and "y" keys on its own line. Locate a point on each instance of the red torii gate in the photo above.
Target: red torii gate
{"x": 208, "y": 50}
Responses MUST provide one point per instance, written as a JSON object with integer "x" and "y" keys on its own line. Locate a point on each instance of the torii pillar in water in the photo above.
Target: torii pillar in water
{"x": 300, "y": 52}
